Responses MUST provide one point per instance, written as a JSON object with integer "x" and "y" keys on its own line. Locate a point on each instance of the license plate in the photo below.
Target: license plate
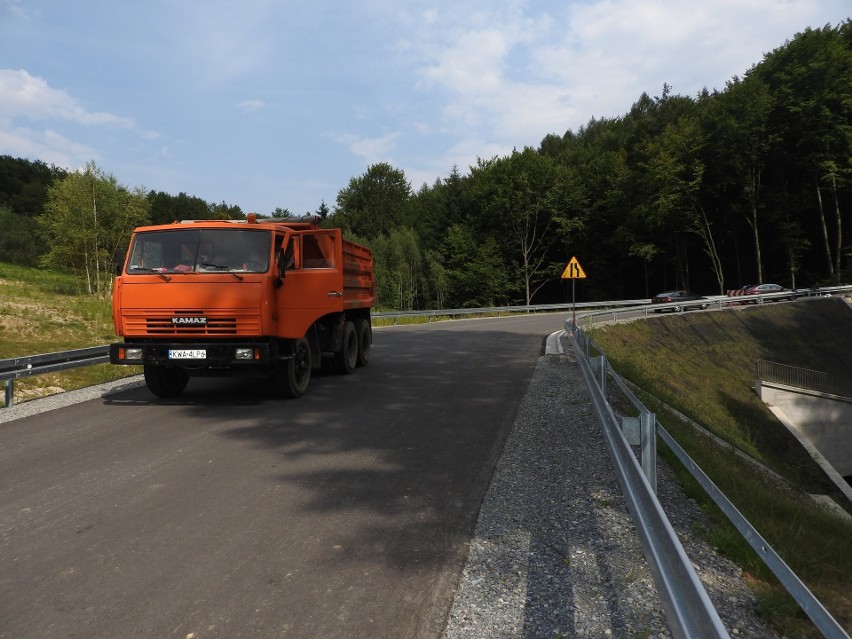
{"x": 187, "y": 353}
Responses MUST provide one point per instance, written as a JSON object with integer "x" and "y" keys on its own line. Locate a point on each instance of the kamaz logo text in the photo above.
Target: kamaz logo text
{"x": 196, "y": 321}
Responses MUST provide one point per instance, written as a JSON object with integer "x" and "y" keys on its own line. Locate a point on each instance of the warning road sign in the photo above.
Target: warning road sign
{"x": 573, "y": 271}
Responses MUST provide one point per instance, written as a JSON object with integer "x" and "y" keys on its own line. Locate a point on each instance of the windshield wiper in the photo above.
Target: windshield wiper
{"x": 221, "y": 267}
{"x": 155, "y": 271}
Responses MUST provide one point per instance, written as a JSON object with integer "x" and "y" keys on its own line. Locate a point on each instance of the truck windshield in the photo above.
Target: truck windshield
{"x": 200, "y": 251}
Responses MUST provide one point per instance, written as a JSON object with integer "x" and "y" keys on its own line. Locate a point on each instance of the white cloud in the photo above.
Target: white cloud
{"x": 48, "y": 146}
{"x": 25, "y": 96}
{"x": 512, "y": 72}
{"x": 14, "y": 7}
{"x": 251, "y": 106}
{"x": 373, "y": 150}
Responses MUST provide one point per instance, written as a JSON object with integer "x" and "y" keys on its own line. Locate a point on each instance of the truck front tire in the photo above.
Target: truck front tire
{"x": 293, "y": 375}
{"x": 165, "y": 381}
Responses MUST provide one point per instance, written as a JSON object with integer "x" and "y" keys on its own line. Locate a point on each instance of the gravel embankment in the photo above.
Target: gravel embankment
{"x": 555, "y": 553}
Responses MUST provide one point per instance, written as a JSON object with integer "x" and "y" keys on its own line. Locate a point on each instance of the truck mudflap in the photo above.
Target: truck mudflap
{"x": 210, "y": 355}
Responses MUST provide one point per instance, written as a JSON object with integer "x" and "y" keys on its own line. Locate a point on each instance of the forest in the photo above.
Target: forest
{"x": 747, "y": 184}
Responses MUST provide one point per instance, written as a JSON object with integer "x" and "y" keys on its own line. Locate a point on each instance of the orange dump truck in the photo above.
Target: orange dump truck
{"x": 273, "y": 298}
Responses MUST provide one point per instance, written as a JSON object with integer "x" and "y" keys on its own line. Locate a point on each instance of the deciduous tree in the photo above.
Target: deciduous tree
{"x": 87, "y": 223}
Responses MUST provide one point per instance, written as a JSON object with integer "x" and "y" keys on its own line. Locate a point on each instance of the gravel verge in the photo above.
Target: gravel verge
{"x": 67, "y": 398}
{"x": 555, "y": 553}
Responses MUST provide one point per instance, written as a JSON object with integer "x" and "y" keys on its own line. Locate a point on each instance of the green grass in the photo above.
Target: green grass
{"x": 43, "y": 312}
{"x": 703, "y": 365}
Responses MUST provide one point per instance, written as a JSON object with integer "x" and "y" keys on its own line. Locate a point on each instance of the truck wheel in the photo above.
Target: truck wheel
{"x": 292, "y": 376}
{"x": 365, "y": 341}
{"x": 346, "y": 358}
{"x": 165, "y": 381}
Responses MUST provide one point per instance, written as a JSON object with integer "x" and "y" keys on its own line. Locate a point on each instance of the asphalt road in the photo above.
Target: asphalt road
{"x": 227, "y": 513}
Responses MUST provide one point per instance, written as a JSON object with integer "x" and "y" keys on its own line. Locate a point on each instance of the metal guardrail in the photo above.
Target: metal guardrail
{"x": 804, "y": 378}
{"x": 689, "y": 611}
{"x": 17, "y": 367}
{"x": 498, "y": 310}
{"x": 12, "y": 369}
{"x": 688, "y": 608}
{"x": 718, "y": 302}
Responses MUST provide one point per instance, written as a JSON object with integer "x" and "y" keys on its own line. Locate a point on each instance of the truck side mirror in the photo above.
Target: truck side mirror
{"x": 118, "y": 261}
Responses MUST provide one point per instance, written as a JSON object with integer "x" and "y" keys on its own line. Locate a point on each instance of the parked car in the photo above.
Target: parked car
{"x": 673, "y": 297}
{"x": 765, "y": 289}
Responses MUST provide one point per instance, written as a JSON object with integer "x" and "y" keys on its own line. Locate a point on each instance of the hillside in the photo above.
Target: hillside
{"x": 703, "y": 365}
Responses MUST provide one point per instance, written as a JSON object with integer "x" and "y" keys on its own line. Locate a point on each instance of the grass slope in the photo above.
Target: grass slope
{"x": 43, "y": 312}
{"x": 703, "y": 365}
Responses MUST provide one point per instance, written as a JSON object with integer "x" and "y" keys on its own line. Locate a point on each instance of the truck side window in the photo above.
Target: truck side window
{"x": 290, "y": 255}
{"x": 317, "y": 251}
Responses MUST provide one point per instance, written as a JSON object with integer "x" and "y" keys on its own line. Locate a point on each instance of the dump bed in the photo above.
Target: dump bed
{"x": 359, "y": 289}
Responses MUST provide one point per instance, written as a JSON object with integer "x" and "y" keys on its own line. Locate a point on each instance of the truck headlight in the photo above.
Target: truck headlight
{"x": 132, "y": 353}
{"x": 244, "y": 354}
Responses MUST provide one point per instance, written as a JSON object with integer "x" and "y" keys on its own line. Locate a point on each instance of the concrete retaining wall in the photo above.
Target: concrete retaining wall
{"x": 823, "y": 423}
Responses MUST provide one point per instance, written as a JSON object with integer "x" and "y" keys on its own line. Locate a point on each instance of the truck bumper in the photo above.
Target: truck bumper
{"x": 196, "y": 355}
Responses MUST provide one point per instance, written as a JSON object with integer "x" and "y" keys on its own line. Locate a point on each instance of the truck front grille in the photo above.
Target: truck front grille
{"x": 217, "y": 326}
{"x": 162, "y": 325}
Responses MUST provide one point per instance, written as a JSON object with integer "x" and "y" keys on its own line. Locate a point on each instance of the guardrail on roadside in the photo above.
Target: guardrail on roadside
{"x": 718, "y": 302}
{"x": 689, "y": 610}
{"x": 18, "y": 367}
{"x": 499, "y": 310}
{"x": 15, "y": 368}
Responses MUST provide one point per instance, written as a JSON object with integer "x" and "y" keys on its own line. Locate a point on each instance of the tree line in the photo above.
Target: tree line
{"x": 743, "y": 185}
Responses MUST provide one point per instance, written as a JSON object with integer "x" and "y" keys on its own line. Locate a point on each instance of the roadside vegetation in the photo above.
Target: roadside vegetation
{"x": 703, "y": 366}
{"x": 46, "y": 311}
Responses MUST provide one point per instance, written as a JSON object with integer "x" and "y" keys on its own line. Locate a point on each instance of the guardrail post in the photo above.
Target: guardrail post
{"x": 9, "y": 392}
{"x": 602, "y": 364}
{"x": 648, "y": 450}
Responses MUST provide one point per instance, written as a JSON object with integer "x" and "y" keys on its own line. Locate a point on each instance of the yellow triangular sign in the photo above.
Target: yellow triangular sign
{"x": 573, "y": 271}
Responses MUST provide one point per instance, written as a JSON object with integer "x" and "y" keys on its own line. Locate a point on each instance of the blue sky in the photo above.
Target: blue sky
{"x": 279, "y": 103}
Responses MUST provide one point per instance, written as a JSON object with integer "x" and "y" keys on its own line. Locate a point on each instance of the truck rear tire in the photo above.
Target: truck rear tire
{"x": 165, "y": 381}
{"x": 365, "y": 340}
{"x": 346, "y": 358}
{"x": 293, "y": 375}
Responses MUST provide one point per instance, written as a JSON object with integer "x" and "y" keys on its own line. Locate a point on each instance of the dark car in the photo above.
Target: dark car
{"x": 765, "y": 289}
{"x": 673, "y": 297}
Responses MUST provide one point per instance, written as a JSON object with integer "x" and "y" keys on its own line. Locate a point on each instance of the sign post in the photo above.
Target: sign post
{"x": 573, "y": 272}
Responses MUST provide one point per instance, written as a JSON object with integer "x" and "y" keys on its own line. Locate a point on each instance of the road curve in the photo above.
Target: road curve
{"x": 227, "y": 513}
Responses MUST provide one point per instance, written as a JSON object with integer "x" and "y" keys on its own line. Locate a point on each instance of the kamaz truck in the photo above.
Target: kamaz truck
{"x": 276, "y": 298}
